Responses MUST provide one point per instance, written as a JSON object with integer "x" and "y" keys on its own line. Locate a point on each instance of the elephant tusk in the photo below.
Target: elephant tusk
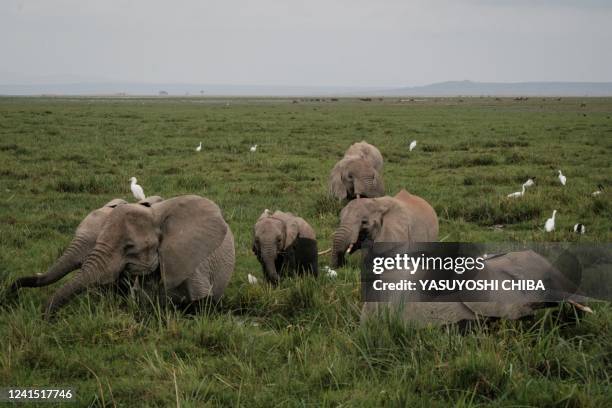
{"x": 578, "y": 306}
{"x": 348, "y": 251}
{"x": 327, "y": 251}
{"x": 358, "y": 195}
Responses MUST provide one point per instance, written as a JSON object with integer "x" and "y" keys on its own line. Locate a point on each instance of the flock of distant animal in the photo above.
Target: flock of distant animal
{"x": 549, "y": 225}
{"x": 182, "y": 249}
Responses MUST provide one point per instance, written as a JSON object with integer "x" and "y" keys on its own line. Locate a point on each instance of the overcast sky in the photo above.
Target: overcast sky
{"x": 309, "y": 42}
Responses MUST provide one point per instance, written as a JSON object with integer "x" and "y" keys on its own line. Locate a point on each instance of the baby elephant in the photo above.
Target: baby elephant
{"x": 358, "y": 174}
{"x": 284, "y": 243}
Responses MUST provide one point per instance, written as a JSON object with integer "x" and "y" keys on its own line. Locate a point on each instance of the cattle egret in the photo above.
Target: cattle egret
{"x": 137, "y": 190}
{"x": 600, "y": 189}
{"x": 579, "y": 228}
{"x": 253, "y": 148}
{"x": 252, "y": 279}
{"x": 330, "y": 272}
{"x": 550, "y": 223}
{"x": 530, "y": 182}
{"x": 199, "y": 148}
{"x": 518, "y": 193}
{"x": 562, "y": 178}
{"x": 413, "y": 145}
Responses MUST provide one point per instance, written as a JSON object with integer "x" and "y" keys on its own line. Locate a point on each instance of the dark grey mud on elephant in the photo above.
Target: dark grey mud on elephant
{"x": 183, "y": 244}
{"x": 358, "y": 174}
{"x": 284, "y": 243}
{"x": 79, "y": 248}
{"x": 403, "y": 218}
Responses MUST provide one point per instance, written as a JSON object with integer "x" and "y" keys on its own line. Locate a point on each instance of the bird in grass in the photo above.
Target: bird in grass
{"x": 252, "y": 279}
{"x": 137, "y": 191}
{"x": 579, "y": 228}
{"x": 526, "y": 184}
{"x": 600, "y": 189}
{"x": 413, "y": 145}
{"x": 549, "y": 226}
{"x": 517, "y": 194}
{"x": 330, "y": 272}
{"x": 530, "y": 182}
{"x": 253, "y": 148}
{"x": 199, "y": 148}
{"x": 562, "y": 178}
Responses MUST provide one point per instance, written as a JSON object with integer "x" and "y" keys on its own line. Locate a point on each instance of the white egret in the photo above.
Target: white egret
{"x": 550, "y": 223}
{"x": 579, "y": 228}
{"x": 530, "y": 182}
{"x": 330, "y": 272}
{"x": 199, "y": 148}
{"x": 562, "y": 178}
{"x": 137, "y": 191}
{"x": 253, "y": 148}
{"x": 600, "y": 189}
{"x": 252, "y": 279}
{"x": 518, "y": 193}
{"x": 413, "y": 145}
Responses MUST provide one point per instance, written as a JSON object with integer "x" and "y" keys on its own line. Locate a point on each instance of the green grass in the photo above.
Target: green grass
{"x": 301, "y": 343}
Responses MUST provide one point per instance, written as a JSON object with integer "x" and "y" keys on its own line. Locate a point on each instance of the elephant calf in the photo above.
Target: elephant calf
{"x": 358, "y": 174}
{"x": 283, "y": 243}
{"x": 403, "y": 218}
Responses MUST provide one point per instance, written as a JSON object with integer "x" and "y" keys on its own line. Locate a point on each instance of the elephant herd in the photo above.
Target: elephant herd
{"x": 183, "y": 250}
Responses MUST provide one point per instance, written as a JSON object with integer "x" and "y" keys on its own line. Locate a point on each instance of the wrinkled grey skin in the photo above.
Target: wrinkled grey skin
{"x": 80, "y": 246}
{"x": 78, "y": 249}
{"x": 403, "y": 218}
{"x": 274, "y": 233}
{"x": 183, "y": 242}
{"x": 513, "y": 265}
{"x": 358, "y": 174}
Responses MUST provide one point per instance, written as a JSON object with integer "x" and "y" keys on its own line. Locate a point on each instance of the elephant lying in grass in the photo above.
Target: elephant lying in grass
{"x": 511, "y": 305}
{"x": 79, "y": 248}
{"x": 403, "y": 218}
{"x": 358, "y": 174}
{"x": 182, "y": 244}
{"x": 284, "y": 242}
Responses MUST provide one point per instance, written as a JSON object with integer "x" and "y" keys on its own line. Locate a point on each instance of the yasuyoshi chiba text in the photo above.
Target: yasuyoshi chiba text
{"x": 431, "y": 285}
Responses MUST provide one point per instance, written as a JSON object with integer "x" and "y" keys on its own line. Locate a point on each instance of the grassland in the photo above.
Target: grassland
{"x": 300, "y": 344}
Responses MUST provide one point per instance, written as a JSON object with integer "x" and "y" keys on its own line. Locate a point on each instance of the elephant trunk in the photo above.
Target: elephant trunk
{"x": 70, "y": 260}
{"x": 342, "y": 239}
{"x": 268, "y": 256}
{"x": 94, "y": 271}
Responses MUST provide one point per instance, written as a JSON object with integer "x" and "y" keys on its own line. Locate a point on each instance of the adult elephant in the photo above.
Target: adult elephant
{"x": 284, "y": 242}
{"x": 402, "y": 218}
{"x": 182, "y": 243}
{"x": 358, "y": 174}
{"x": 81, "y": 245}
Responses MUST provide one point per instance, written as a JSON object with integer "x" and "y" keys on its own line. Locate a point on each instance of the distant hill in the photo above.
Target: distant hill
{"x": 54, "y": 86}
{"x": 469, "y": 88}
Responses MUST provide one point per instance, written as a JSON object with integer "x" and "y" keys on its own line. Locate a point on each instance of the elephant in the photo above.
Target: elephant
{"x": 284, "y": 242}
{"x": 358, "y": 174}
{"x": 402, "y": 218}
{"x": 183, "y": 244}
{"x": 80, "y": 246}
{"x": 526, "y": 264}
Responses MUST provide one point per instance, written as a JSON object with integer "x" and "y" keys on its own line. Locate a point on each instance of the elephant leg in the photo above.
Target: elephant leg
{"x": 212, "y": 275}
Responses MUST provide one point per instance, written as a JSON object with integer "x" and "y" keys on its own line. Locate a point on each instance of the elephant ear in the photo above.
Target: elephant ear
{"x": 291, "y": 232}
{"x": 336, "y": 186}
{"x": 191, "y": 228}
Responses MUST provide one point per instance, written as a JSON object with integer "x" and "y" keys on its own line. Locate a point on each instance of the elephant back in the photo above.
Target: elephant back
{"x": 423, "y": 214}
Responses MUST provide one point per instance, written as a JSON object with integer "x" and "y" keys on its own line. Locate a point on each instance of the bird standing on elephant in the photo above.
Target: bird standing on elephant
{"x": 402, "y": 218}
{"x": 358, "y": 174}
{"x": 284, "y": 242}
{"x": 182, "y": 244}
